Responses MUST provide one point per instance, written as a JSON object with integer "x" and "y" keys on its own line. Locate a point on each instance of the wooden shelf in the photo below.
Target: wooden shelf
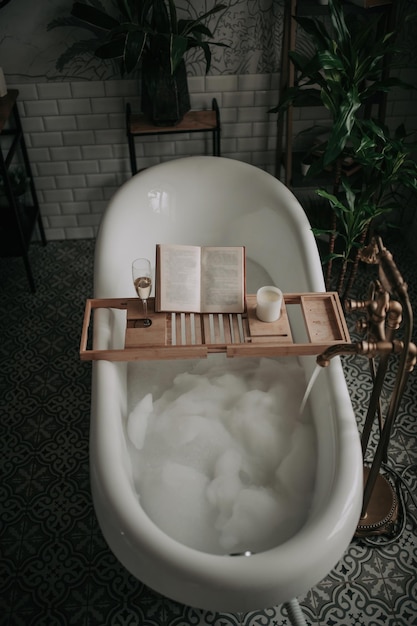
{"x": 192, "y": 122}
{"x": 188, "y": 335}
{"x": 137, "y": 125}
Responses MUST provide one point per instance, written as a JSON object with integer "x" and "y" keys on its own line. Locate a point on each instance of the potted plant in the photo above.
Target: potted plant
{"x": 344, "y": 72}
{"x": 147, "y": 34}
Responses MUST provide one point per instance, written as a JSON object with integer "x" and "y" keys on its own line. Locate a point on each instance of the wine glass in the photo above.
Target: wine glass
{"x": 142, "y": 280}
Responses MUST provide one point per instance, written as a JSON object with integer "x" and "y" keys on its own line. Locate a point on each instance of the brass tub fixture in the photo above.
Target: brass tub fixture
{"x": 386, "y": 309}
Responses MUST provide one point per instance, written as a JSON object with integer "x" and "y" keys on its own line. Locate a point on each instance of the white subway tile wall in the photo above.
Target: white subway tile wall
{"x": 76, "y": 138}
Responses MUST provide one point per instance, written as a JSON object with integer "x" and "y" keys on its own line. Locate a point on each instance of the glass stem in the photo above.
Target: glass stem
{"x": 146, "y": 321}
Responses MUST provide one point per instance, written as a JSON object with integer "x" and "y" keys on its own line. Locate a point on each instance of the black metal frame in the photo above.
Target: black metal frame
{"x": 11, "y": 246}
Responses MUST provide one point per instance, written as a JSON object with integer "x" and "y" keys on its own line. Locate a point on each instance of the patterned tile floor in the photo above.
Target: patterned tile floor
{"x": 55, "y": 566}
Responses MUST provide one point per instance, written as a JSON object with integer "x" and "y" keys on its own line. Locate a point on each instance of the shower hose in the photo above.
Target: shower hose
{"x": 295, "y": 613}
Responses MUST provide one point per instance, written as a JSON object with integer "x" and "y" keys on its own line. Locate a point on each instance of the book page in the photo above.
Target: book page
{"x": 223, "y": 279}
{"x": 179, "y": 274}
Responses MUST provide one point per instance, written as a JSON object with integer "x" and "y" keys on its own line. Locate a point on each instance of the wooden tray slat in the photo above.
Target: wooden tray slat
{"x": 192, "y": 335}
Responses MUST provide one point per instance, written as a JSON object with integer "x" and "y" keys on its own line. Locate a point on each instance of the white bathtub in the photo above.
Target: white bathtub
{"x": 217, "y": 201}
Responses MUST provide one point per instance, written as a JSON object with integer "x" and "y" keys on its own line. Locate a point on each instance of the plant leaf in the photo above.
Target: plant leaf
{"x": 93, "y": 16}
{"x": 338, "y": 21}
{"x": 173, "y": 17}
{"x": 125, "y": 9}
{"x": 207, "y": 54}
{"x": 292, "y": 93}
{"x": 191, "y": 24}
{"x": 77, "y": 48}
{"x": 62, "y": 21}
{"x": 316, "y": 30}
{"x": 341, "y": 129}
{"x": 178, "y": 46}
{"x": 113, "y": 49}
{"x": 134, "y": 46}
{"x": 160, "y": 18}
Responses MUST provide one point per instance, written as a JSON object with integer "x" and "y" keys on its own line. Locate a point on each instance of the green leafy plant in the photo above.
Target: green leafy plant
{"x": 353, "y": 215}
{"x": 145, "y": 34}
{"x": 387, "y": 170}
{"x": 139, "y": 31}
{"x": 345, "y": 71}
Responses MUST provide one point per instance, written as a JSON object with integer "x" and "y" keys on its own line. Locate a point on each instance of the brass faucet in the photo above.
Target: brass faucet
{"x": 386, "y": 308}
{"x": 384, "y": 314}
{"x": 369, "y": 349}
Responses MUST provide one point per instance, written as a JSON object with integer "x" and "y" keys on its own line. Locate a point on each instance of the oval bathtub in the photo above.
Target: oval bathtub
{"x": 217, "y": 201}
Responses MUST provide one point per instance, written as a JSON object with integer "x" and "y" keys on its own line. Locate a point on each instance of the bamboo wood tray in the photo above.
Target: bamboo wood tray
{"x": 194, "y": 335}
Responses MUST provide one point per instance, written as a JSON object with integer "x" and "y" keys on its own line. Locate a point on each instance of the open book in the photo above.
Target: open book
{"x": 198, "y": 279}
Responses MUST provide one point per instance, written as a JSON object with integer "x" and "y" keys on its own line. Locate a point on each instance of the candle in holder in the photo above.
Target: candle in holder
{"x": 268, "y": 304}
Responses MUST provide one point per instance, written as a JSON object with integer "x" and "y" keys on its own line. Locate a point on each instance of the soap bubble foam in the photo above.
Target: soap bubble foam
{"x": 220, "y": 460}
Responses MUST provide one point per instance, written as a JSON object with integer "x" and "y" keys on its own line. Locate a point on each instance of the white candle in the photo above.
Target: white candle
{"x": 268, "y": 304}
{"x": 3, "y": 88}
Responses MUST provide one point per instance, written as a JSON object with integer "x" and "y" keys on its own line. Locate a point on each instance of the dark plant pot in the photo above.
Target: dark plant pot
{"x": 165, "y": 97}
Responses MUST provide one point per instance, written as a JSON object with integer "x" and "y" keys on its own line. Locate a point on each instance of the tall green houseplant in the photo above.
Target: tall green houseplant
{"x": 344, "y": 73}
{"x": 388, "y": 170}
{"x": 147, "y": 34}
